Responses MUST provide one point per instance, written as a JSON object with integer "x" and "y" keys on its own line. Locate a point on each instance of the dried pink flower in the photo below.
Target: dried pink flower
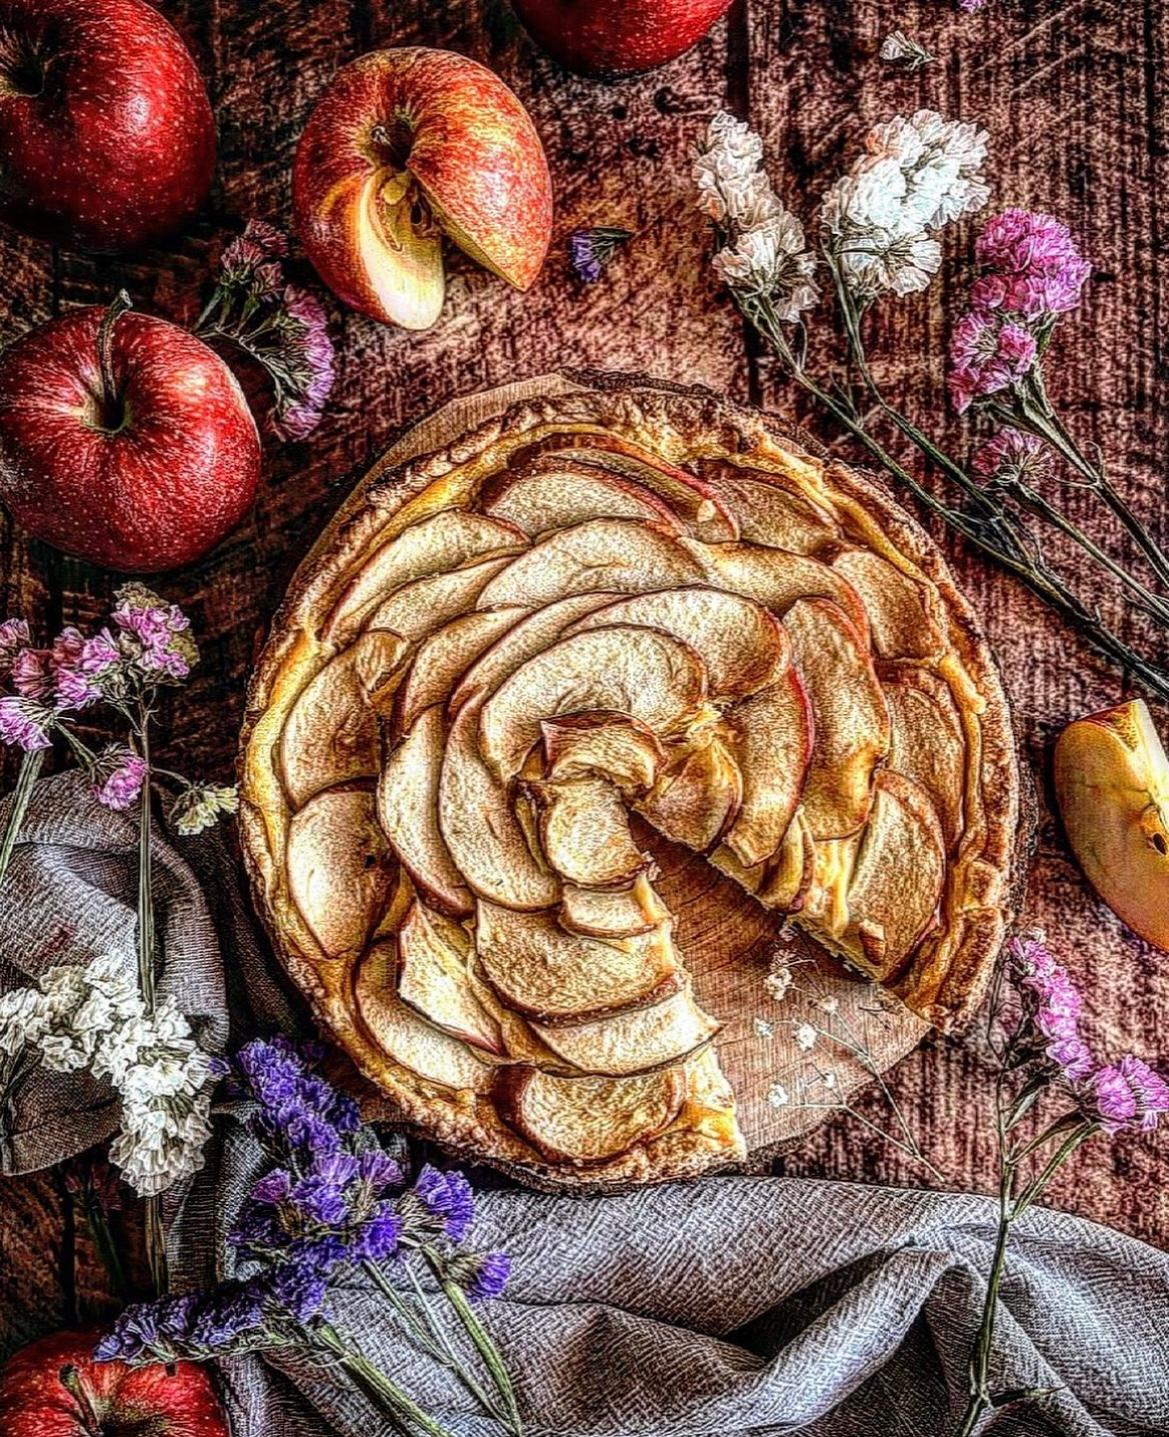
{"x": 116, "y": 776}
{"x": 81, "y": 680}
{"x": 1051, "y": 1004}
{"x": 25, "y": 723}
{"x": 1010, "y": 457}
{"x": 1128, "y": 1094}
{"x": 32, "y": 674}
{"x": 14, "y": 636}
{"x": 155, "y": 633}
{"x": 987, "y": 354}
{"x": 304, "y": 367}
{"x": 266, "y": 237}
{"x": 1033, "y": 265}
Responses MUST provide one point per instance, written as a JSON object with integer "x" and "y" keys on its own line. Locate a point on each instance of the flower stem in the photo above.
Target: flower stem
{"x": 103, "y": 1240}
{"x": 401, "y": 1409}
{"x": 30, "y": 767}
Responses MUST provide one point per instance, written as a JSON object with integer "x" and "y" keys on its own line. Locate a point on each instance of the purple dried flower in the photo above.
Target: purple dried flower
{"x": 32, "y": 675}
{"x": 154, "y": 633}
{"x": 304, "y": 368}
{"x": 482, "y": 1276}
{"x": 988, "y": 354}
{"x": 446, "y": 1197}
{"x": 1012, "y": 457}
{"x": 1052, "y": 1005}
{"x": 258, "y": 1229}
{"x": 224, "y": 1316}
{"x": 1034, "y": 266}
{"x": 273, "y": 1188}
{"x": 1128, "y": 1095}
{"x": 461, "y": 1209}
{"x": 591, "y": 250}
{"x": 266, "y": 238}
{"x": 320, "y": 1201}
{"x": 379, "y": 1170}
{"x": 14, "y": 636}
{"x": 25, "y": 723}
{"x": 378, "y": 1239}
{"x": 299, "y": 1289}
{"x": 116, "y": 776}
{"x": 78, "y": 680}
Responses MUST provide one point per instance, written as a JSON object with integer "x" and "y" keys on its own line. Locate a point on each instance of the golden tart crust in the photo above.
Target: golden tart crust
{"x": 912, "y": 724}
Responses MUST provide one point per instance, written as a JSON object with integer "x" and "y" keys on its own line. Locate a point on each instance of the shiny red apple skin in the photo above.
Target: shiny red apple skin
{"x": 601, "y": 37}
{"x": 462, "y": 135}
{"x": 165, "y": 486}
{"x": 116, "y": 148}
{"x": 127, "y": 1402}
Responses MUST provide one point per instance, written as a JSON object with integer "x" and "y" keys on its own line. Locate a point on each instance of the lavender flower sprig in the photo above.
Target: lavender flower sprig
{"x": 279, "y": 325}
{"x": 332, "y": 1209}
{"x": 879, "y": 228}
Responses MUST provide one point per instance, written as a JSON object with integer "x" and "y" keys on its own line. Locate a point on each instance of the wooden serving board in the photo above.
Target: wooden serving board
{"x": 729, "y": 942}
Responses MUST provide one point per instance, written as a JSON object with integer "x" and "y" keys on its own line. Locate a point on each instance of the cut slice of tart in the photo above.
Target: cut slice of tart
{"x": 539, "y": 691}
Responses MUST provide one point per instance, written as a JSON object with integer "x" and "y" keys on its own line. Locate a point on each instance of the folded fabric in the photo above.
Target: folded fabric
{"x": 730, "y": 1306}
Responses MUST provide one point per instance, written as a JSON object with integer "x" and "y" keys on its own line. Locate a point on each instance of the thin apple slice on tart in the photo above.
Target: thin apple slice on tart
{"x": 619, "y": 643}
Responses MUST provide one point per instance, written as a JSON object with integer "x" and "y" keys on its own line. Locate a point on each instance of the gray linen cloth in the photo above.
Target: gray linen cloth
{"x": 731, "y": 1305}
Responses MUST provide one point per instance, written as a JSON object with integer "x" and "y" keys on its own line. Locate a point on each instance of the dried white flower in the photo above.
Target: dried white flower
{"x": 900, "y": 49}
{"x": 201, "y": 806}
{"x": 878, "y": 261}
{"x": 770, "y": 259}
{"x": 806, "y": 1036}
{"x": 726, "y": 169}
{"x": 778, "y": 982}
{"x": 829, "y": 1080}
{"x": 763, "y": 1028}
{"x": 24, "y": 1017}
{"x": 828, "y": 1004}
{"x": 778, "y": 1096}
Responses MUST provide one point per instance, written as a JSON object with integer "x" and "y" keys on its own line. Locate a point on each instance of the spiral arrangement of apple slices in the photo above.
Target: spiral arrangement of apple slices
{"x": 608, "y": 617}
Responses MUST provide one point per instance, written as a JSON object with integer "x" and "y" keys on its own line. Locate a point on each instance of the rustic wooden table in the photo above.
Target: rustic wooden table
{"x": 1073, "y": 94}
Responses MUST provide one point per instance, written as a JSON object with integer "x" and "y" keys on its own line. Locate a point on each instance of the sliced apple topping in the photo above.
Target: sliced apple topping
{"x": 586, "y": 1120}
{"x": 444, "y": 657}
{"x": 419, "y": 608}
{"x": 551, "y": 494}
{"x": 437, "y": 544}
{"x": 771, "y": 515}
{"x": 849, "y": 714}
{"x": 341, "y": 874}
{"x": 634, "y": 1042}
{"x": 480, "y": 827}
{"x": 398, "y": 1031}
{"x": 612, "y": 912}
{"x": 408, "y": 810}
{"x": 584, "y": 833}
{"x": 433, "y": 979}
{"x": 554, "y": 976}
{"x": 904, "y": 616}
{"x": 742, "y": 644}
{"x": 698, "y": 794}
{"x": 617, "y": 554}
{"x": 926, "y": 740}
{"x": 773, "y": 733}
{"x": 654, "y": 678}
{"x": 331, "y": 734}
{"x": 789, "y": 874}
{"x": 602, "y": 744}
{"x": 1112, "y": 783}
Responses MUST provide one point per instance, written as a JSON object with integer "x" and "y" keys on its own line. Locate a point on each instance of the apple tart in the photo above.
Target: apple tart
{"x": 606, "y": 622}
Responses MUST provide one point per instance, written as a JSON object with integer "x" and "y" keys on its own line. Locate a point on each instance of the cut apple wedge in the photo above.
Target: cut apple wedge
{"x": 697, "y": 795}
{"x": 654, "y": 678}
{"x": 742, "y": 644}
{"x": 777, "y": 579}
{"x": 552, "y": 494}
{"x": 751, "y": 879}
{"x": 437, "y": 544}
{"x": 419, "y": 608}
{"x": 697, "y": 504}
{"x": 905, "y": 618}
{"x": 635, "y": 1042}
{"x": 789, "y": 875}
{"x": 399, "y": 1032}
{"x": 927, "y": 743}
{"x": 1112, "y": 783}
{"x": 897, "y": 879}
{"x": 584, "y": 833}
{"x": 553, "y": 976}
{"x": 444, "y": 657}
{"x": 850, "y": 717}
{"x": 612, "y": 913}
{"x": 769, "y": 514}
{"x": 480, "y": 828}
{"x": 341, "y": 874}
{"x": 529, "y": 637}
{"x": 586, "y": 1120}
{"x": 432, "y": 979}
{"x": 617, "y": 554}
{"x": 773, "y": 738}
{"x": 407, "y": 807}
{"x": 331, "y": 734}
{"x": 602, "y": 744}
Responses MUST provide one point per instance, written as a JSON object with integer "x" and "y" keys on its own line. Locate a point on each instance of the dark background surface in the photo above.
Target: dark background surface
{"x": 1073, "y": 95}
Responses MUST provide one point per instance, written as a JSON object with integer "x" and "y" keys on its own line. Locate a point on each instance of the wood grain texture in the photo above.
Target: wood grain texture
{"x": 1073, "y": 92}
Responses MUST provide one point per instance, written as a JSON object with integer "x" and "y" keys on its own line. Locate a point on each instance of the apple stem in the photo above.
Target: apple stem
{"x": 71, "y": 1381}
{"x": 110, "y": 398}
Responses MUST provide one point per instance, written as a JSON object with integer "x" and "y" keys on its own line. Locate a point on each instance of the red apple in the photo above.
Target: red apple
{"x": 130, "y": 444}
{"x": 107, "y": 140}
{"x": 600, "y": 37}
{"x": 53, "y": 1388}
{"x": 407, "y": 145}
